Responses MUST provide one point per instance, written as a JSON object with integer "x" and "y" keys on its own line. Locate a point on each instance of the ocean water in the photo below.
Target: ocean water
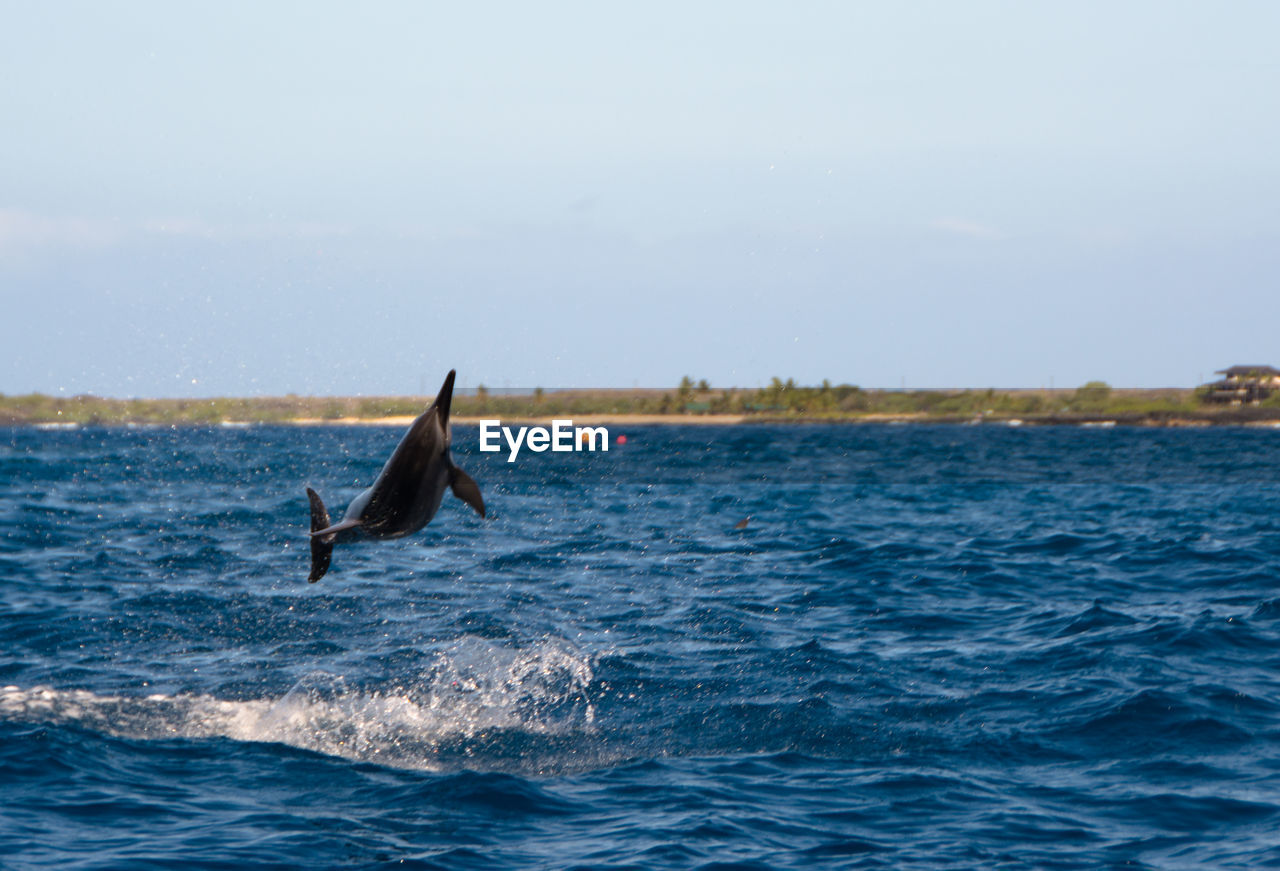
{"x": 930, "y": 647}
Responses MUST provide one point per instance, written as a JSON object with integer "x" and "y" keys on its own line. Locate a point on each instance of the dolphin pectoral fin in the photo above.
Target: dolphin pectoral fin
{"x": 321, "y": 545}
{"x": 466, "y": 489}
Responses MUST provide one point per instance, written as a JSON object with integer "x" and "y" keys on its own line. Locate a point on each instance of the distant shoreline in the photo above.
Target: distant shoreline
{"x": 582, "y": 419}
{"x": 737, "y": 419}
{"x": 399, "y": 421}
{"x": 1095, "y": 404}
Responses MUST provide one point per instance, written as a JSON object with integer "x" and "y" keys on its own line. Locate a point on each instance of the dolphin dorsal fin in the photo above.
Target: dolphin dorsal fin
{"x": 444, "y": 399}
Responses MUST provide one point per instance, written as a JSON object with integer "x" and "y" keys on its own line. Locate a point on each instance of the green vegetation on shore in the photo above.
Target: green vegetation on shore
{"x": 781, "y": 400}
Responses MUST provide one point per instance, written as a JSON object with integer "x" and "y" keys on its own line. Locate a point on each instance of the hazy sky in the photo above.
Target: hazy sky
{"x": 337, "y": 198}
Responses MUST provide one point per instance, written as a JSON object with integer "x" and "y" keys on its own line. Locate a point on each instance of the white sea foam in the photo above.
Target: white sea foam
{"x": 475, "y": 690}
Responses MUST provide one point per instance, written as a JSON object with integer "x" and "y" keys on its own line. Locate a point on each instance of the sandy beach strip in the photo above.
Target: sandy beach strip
{"x": 578, "y": 420}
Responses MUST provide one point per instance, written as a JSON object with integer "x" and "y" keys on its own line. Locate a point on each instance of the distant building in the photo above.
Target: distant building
{"x": 1244, "y": 384}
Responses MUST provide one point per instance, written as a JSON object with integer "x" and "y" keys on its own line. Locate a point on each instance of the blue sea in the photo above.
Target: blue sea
{"x": 929, "y": 647}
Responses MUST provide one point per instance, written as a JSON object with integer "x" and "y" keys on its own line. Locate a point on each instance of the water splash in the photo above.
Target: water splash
{"x": 476, "y": 697}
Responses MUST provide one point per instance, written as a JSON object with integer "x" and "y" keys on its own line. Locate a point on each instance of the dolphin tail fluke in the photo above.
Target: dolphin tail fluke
{"x": 466, "y": 489}
{"x": 321, "y": 545}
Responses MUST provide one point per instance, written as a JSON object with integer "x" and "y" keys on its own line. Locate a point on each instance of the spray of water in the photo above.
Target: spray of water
{"x": 475, "y": 694}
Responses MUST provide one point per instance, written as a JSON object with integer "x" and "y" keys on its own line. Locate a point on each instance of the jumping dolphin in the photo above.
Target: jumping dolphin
{"x": 408, "y": 490}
